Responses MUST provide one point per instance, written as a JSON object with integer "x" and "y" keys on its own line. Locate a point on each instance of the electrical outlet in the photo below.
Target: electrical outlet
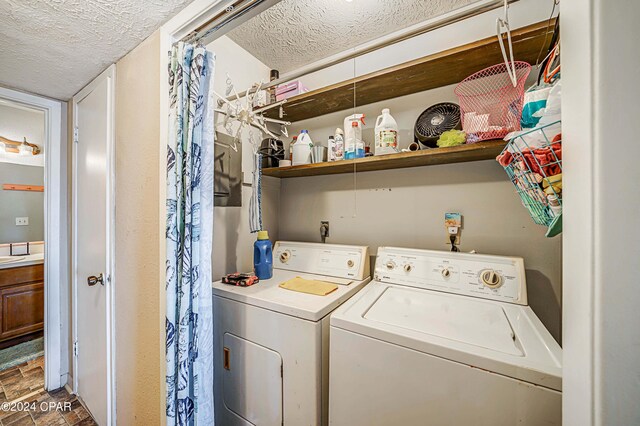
{"x": 453, "y": 226}
{"x": 22, "y": 221}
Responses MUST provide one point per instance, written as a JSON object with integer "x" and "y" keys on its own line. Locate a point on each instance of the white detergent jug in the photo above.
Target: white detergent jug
{"x": 302, "y": 149}
{"x": 386, "y": 138}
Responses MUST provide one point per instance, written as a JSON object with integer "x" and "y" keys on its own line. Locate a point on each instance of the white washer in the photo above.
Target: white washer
{"x": 442, "y": 338}
{"x": 271, "y": 345}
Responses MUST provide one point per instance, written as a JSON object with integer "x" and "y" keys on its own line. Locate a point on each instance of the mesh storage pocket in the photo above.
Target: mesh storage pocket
{"x": 489, "y": 104}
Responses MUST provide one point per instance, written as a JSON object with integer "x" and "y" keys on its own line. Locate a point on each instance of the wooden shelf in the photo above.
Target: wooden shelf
{"x": 437, "y": 70}
{"x": 18, "y": 187}
{"x": 459, "y": 154}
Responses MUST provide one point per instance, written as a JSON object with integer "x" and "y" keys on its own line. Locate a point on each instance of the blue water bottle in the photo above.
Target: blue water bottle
{"x": 262, "y": 257}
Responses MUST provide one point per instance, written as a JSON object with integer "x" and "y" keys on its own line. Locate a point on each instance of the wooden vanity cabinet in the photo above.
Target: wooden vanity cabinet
{"x": 21, "y": 303}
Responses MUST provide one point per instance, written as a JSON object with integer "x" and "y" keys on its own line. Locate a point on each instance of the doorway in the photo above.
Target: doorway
{"x": 34, "y": 287}
{"x": 22, "y": 284}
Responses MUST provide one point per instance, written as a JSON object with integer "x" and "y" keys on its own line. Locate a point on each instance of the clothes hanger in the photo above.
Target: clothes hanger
{"x": 503, "y": 24}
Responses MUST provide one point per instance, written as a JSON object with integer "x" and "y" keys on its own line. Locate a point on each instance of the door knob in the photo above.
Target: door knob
{"x": 93, "y": 280}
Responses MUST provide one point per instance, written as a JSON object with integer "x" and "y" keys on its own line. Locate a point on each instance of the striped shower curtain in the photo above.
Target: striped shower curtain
{"x": 189, "y": 322}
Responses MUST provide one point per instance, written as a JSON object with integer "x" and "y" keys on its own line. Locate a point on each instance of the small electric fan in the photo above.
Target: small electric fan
{"x": 436, "y": 120}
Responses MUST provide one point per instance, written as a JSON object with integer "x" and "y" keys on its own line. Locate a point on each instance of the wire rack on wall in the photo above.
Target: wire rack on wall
{"x": 533, "y": 162}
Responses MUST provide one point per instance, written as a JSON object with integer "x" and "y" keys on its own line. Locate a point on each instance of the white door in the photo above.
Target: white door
{"x": 93, "y": 160}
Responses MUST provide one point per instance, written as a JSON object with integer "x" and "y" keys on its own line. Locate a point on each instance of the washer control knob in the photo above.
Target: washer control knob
{"x": 407, "y": 268}
{"x": 350, "y": 263}
{"x": 284, "y": 256}
{"x": 446, "y": 273}
{"x": 390, "y": 265}
{"x": 491, "y": 278}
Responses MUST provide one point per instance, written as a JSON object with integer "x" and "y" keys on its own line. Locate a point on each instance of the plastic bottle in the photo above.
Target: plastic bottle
{"x": 360, "y": 151}
{"x": 331, "y": 149}
{"x": 339, "y": 141}
{"x": 273, "y": 75}
{"x": 262, "y": 256}
{"x": 354, "y": 146}
{"x": 350, "y": 119}
{"x": 295, "y": 138}
{"x": 302, "y": 149}
{"x": 353, "y": 143}
{"x": 386, "y": 140}
{"x": 554, "y": 205}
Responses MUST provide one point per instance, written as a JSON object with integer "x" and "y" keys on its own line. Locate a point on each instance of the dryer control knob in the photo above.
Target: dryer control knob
{"x": 390, "y": 265}
{"x": 446, "y": 273}
{"x": 350, "y": 263}
{"x": 491, "y": 278}
{"x": 284, "y": 256}
{"x": 407, "y": 268}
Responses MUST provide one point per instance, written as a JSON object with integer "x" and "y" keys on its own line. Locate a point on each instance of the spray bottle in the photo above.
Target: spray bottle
{"x": 353, "y": 146}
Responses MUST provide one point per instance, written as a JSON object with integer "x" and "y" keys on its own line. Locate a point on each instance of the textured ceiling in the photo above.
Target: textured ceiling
{"x": 55, "y": 47}
{"x": 294, "y": 33}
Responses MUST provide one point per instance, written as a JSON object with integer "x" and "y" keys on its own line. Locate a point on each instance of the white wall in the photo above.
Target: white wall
{"x": 602, "y": 213}
{"x": 21, "y": 204}
{"x": 406, "y": 207}
{"x": 232, "y": 241}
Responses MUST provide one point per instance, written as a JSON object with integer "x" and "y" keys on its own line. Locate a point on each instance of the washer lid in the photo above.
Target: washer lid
{"x": 468, "y": 321}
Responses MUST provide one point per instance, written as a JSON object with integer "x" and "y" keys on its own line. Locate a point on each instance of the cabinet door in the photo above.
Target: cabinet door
{"x": 22, "y": 309}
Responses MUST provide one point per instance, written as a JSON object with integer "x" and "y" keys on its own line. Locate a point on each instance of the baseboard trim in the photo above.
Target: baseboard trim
{"x": 67, "y": 379}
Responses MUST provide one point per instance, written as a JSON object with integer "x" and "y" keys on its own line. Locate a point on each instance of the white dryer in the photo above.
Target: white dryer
{"x": 271, "y": 345}
{"x": 442, "y": 338}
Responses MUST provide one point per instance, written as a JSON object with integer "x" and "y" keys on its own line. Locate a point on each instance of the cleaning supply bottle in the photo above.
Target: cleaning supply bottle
{"x": 262, "y": 256}
{"x": 331, "y": 149}
{"x": 339, "y": 141}
{"x": 354, "y": 146}
{"x": 302, "y": 149}
{"x": 350, "y": 119}
{"x": 386, "y": 138}
{"x": 293, "y": 142}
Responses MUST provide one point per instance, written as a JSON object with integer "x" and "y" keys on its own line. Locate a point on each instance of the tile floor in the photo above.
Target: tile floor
{"x": 25, "y": 383}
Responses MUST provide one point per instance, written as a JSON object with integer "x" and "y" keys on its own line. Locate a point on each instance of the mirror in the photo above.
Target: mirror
{"x": 21, "y": 177}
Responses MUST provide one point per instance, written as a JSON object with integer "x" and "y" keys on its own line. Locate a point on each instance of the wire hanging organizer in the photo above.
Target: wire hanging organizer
{"x": 533, "y": 162}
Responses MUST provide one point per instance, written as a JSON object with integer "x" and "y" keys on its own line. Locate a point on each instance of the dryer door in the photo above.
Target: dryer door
{"x": 252, "y": 381}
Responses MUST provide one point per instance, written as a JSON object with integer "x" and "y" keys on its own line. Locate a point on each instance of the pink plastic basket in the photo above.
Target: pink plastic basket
{"x": 489, "y": 104}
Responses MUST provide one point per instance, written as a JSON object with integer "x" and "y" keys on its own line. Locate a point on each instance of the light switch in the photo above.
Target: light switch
{"x": 22, "y": 221}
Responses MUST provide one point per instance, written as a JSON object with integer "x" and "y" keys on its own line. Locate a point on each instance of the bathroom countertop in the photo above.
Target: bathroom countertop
{"x": 25, "y": 260}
